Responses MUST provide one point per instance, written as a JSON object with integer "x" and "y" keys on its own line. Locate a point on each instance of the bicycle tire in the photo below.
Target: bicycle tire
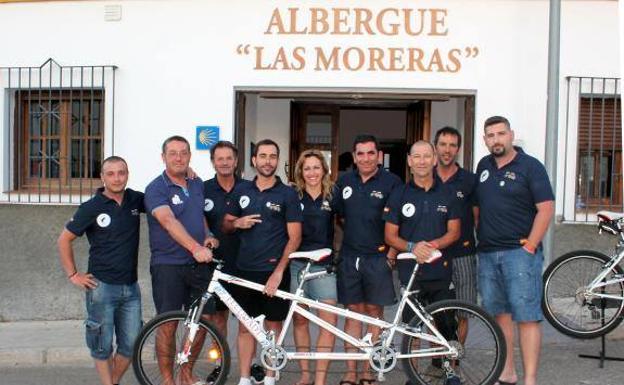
{"x": 564, "y": 308}
{"x": 147, "y": 359}
{"x": 484, "y": 350}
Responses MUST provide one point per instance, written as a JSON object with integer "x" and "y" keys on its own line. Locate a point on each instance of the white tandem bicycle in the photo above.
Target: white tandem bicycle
{"x": 430, "y": 351}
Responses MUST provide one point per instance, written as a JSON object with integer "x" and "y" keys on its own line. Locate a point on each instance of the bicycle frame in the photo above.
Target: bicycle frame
{"x": 365, "y": 345}
{"x": 599, "y": 281}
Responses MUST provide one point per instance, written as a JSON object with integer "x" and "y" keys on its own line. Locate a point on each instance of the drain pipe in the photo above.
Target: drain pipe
{"x": 552, "y": 115}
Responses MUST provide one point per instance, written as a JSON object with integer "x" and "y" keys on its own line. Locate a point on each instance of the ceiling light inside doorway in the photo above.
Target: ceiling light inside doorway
{"x": 112, "y": 12}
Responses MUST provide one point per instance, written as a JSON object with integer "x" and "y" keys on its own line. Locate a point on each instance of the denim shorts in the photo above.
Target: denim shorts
{"x": 320, "y": 289}
{"x": 510, "y": 281}
{"x": 112, "y": 310}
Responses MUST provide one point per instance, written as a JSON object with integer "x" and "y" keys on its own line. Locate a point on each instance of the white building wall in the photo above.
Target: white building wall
{"x": 178, "y": 61}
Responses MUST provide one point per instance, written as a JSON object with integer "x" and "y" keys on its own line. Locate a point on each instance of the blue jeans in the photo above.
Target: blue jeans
{"x": 510, "y": 281}
{"x": 112, "y": 310}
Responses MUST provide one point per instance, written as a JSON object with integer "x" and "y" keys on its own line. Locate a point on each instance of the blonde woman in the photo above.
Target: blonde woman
{"x": 315, "y": 190}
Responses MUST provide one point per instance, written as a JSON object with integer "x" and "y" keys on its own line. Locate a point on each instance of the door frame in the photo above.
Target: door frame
{"x": 354, "y": 97}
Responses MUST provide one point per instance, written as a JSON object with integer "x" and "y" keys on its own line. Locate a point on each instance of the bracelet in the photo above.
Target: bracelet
{"x": 72, "y": 275}
{"x": 410, "y": 247}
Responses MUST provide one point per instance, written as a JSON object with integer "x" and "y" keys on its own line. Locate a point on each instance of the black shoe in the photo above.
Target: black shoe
{"x": 257, "y": 373}
{"x": 214, "y": 375}
{"x": 452, "y": 380}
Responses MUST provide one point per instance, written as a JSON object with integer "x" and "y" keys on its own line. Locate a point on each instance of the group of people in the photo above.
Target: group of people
{"x": 255, "y": 225}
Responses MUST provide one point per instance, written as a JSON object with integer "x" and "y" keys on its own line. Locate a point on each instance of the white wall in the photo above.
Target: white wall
{"x": 590, "y": 46}
{"x": 178, "y": 61}
{"x": 449, "y": 113}
{"x": 272, "y": 121}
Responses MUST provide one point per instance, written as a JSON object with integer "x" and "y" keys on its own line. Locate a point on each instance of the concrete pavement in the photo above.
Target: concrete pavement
{"x": 40, "y": 346}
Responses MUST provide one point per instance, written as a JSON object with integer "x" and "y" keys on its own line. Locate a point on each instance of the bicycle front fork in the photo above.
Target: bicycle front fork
{"x": 191, "y": 324}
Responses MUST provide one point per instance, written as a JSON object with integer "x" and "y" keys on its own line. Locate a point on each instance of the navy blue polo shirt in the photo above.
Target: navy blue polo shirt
{"x": 423, "y": 216}
{"x": 362, "y": 205}
{"x": 318, "y": 222}
{"x": 462, "y": 186}
{"x": 506, "y": 198}
{"x": 215, "y": 201}
{"x": 187, "y": 205}
{"x": 113, "y": 234}
{"x": 261, "y": 246}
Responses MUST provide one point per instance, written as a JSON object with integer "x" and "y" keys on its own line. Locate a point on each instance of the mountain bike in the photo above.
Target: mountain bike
{"x": 428, "y": 348}
{"x": 584, "y": 289}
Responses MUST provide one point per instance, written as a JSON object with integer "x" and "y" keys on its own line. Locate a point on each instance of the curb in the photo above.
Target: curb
{"x": 49, "y": 356}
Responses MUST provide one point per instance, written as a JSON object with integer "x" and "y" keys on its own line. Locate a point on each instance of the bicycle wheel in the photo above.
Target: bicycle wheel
{"x": 566, "y": 306}
{"x": 481, "y": 354}
{"x": 156, "y": 351}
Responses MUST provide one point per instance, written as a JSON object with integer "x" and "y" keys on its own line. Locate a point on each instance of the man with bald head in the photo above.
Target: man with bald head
{"x": 422, "y": 217}
{"x": 113, "y": 299}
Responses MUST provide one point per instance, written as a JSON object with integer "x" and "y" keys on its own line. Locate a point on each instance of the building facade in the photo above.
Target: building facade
{"x": 81, "y": 80}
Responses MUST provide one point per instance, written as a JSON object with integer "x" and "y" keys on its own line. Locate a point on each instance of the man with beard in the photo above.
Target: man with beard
{"x": 461, "y": 184}
{"x": 268, "y": 215}
{"x": 516, "y": 203}
{"x": 111, "y": 221}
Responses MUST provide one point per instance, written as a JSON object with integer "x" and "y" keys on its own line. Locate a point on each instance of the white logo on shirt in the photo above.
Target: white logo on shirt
{"x": 460, "y": 194}
{"x": 244, "y": 201}
{"x": 408, "y": 210}
{"x": 208, "y": 205}
{"x": 103, "y": 220}
{"x": 377, "y": 194}
{"x": 176, "y": 200}
{"x": 346, "y": 192}
{"x": 484, "y": 175}
{"x": 302, "y": 207}
{"x": 274, "y": 206}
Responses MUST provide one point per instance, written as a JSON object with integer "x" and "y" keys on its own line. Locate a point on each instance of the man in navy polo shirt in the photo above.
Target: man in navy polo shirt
{"x": 268, "y": 215}
{"x": 364, "y": 276}
{"x": 113, "y": 299}
{"x": 421, "y": 217}
{"x": 179, "y": 244}
{"x": 462, "y": 184}
{"x": 516, "y": 204}
{"x": 217, "y": 196}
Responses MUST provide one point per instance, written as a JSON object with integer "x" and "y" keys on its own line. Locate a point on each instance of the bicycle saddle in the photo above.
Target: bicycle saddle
{"x": 435, "y": 255}
{"x": 609, "y": 215}
{"x": 314, "y": 255}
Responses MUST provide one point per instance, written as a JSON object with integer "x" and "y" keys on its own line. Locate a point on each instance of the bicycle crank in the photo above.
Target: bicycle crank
{"x": 273, "y": 357}
{"x": 383, "y": 359}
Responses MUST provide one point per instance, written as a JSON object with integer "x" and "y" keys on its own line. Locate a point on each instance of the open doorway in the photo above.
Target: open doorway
{"x": 329, "y": 122}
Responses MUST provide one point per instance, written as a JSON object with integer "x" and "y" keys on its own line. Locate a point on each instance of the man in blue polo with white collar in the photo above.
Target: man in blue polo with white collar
{"x": 364, "y": 276}
{"x": 516, "y": 203}
{"x": 180, "y": 245}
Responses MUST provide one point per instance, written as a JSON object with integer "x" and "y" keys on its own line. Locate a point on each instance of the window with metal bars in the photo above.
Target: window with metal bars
{"x": 59, "y": 119}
